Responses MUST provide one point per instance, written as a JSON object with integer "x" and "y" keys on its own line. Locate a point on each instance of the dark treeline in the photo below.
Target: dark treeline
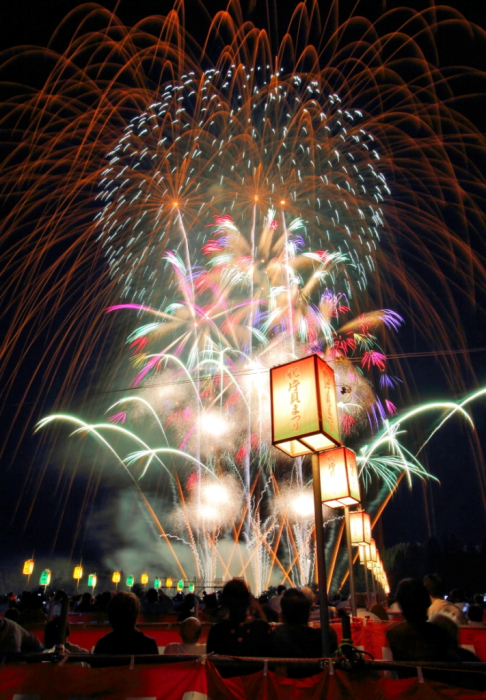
{"x": 460, "y": 566}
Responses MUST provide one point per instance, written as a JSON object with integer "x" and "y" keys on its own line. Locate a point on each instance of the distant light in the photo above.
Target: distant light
{"x": 214, "y": 424}
{"x": 303, "y": 505}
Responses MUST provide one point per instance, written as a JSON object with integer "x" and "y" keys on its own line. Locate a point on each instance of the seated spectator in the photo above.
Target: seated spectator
{"x": 274, "y": 601}
{"x": 123, "y": 612}
{"x": 210, "y": 609}
{"x": 476, "y": 681}
{"x": 56, "y": 603}
{"x": 32, "y": 613}
{"x": 14, "y": 638}
{"x": 362, "y": 609}
{"x": 474, "y": 613}
{"x": 294, "y": 639}
{"x": 379, "y": 611}
{"x": 151, "y": 605}
{"x": 315, "y": 609}
{"x": 13, "y": 613}
{"x": 416, "y": 639}
{"x": 239, "y": 635}
{"x": 52, "y": 637}
{"x": 86, "y": 605}
{"x": 190, "y": 631}
{"x": 435, "y": 587}
{"x": 478, "y": 599}
{"x": 458, "y": 597}
{"x": 343, "y": 603}
{"x": 187, "y": 608}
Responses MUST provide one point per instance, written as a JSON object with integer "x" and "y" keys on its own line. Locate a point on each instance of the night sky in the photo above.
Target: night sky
{"x": 454, "y": 506}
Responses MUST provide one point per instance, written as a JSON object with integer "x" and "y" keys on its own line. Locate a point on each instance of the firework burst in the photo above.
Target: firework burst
{"x": 246, "y": 211}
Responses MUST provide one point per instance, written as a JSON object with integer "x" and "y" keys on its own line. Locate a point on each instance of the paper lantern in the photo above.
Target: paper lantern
{"x": 144, "y": 579}
{"x": 339, "y": 478}
{"x": 92, "y": 580}
{"x": 78, "y": 573}
{"x": 360, "y": 526}
{"x": 180, "y": 585}
{"x": 373, "y": 552}
{"x": 364, "y": 553}
{"x": 168, "y": 582}
{"x": 191, "y": 588}
{"x": 304, "y": 407}
{"x": 45, "y": 578}
{"x": 116, "y": 578}
{"x": 157, "y": 583}
{"x": 28, "y": 567}
{"x": 130, "y": 581}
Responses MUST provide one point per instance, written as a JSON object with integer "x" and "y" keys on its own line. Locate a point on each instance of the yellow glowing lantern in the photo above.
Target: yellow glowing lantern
{"x": 339, "y": 478}
{"x": 304, "y": 407}
{"x": 92, "y": 580}
{"x": 168, "y": 582}
{"x": 78, "y": 573}
{"x": 144, "y": 579}
{"x": 360, "y": 525}
{"x": 45, "y": 578}
{"x": 116, "y": 578}
{"x": 28, "y": 567}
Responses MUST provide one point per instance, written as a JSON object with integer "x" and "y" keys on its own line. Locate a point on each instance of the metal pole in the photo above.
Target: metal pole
{"x": 374, "y": 586}
{"x": 321, "y": 556}
{"x": 350, "y": 560}
{"x": 367, "y": 587}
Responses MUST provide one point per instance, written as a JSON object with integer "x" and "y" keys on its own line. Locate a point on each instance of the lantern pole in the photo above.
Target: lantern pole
{"x": 367, "y": 587}
{"x": 321, "y": 556}
{"x": 350, "y": 560}
{"x": 374, "y": 586}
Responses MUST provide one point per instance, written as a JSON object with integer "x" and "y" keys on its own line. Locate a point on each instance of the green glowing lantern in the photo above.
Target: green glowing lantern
{"x": 45, "y": 578}
{"x": 157, "y": 583}
{"x": 92, "y": 580}
{"x": 191, "y": 588}
{"x": 130, "y": 580}
{"x": 180, "y": 586}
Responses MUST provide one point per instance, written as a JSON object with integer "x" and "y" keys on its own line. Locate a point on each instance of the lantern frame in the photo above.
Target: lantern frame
{"x": 373, "y": 551}
{"x": 349, "y": 495}
{"x": 360, "y": 525}
{"x": 318, "y": 402}
{"x": 92, "y": 580}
